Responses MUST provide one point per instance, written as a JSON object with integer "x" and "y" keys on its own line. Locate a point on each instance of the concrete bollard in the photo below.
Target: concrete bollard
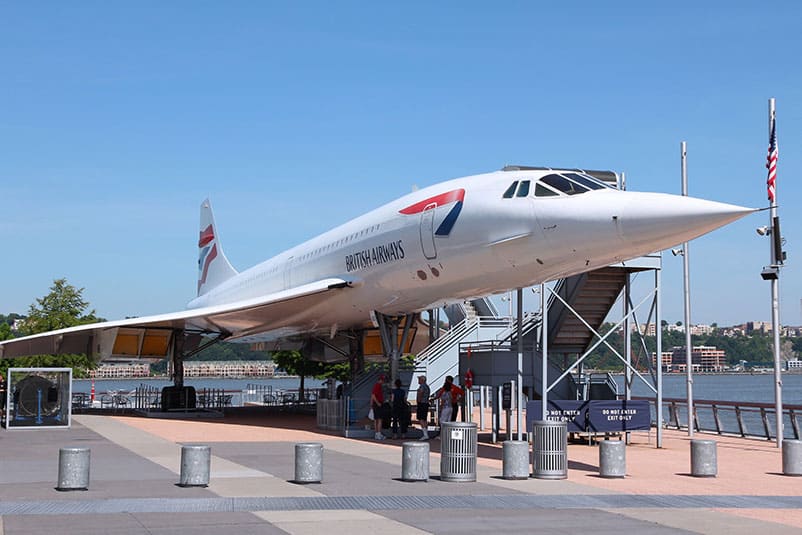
{"x": 612, "y": 458}
{"x": 792, "y": 457}
{"x": 73, "y": 469}
{"x": 308, "y": 462}
{"x": 703, "y": 458}
{"x": 415, "y": 461}
{"x": 515, "y": 459}
{"x": 195, "y": 463}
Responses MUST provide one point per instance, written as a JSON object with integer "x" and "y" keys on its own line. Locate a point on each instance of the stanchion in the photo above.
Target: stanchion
{"x": 612, "y": 458}
{"x": 792, "y": 457}
{"x": 195, "y": 463}
{"x": 73, "y": 469}
{"x": 703, "y": 458}
{"x": 415, "y": 461}
{"x": 308, "y": 462}
{"x": 515, "y": 459}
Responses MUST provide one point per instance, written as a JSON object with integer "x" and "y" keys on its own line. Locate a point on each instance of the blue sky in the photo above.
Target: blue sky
{"x": 119, "y": 118}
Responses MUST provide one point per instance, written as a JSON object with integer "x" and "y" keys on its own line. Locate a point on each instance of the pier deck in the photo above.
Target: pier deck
{"x": 135, "y": 466}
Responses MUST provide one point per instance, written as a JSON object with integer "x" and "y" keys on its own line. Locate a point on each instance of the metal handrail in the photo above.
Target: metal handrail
{"x": 736, "y": 418}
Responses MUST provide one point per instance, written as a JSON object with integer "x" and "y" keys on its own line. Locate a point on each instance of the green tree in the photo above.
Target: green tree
{"x": 63, "y": 307}
{"x": 5, "y": 331}
{"x": 296, "y": 364}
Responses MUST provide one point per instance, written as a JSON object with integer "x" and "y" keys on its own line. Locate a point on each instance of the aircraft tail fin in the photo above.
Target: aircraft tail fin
{"x": 213, "y": 266}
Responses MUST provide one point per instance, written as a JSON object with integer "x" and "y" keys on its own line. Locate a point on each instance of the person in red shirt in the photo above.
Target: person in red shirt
{"x": 457, "y": 395}
{"x": 376, "y": 402}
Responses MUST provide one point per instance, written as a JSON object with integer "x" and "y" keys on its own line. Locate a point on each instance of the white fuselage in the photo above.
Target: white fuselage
{"x": 415, "y": 253}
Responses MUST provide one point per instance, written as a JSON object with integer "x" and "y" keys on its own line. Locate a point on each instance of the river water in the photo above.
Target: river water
{"x": 229, "y": 384}
{"x": 725, "y": 387}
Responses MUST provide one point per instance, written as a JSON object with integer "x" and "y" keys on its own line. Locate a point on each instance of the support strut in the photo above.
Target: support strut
{"x": 388, "y": 331}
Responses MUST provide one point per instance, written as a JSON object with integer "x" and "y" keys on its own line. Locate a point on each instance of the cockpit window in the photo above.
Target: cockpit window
{"x": 564, "y": 185}
{"x": 586, "y": 180}
{"x": 511, "y": 190}
{"x": 543, "y": 191}
{"x": 523, "y": 190}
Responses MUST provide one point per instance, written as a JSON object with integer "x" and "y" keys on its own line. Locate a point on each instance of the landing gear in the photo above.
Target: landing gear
{"x": 388, "y": 331}
{"x": 178, "y": 396}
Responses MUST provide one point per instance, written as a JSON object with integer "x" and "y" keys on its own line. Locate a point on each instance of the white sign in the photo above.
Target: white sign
{"x": 456, "y": 434}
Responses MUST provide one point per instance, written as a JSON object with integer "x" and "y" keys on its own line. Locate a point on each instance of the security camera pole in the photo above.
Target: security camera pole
{"x": 772, "y": 273}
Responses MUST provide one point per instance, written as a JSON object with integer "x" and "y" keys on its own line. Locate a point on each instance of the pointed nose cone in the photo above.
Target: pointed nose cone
{"x": 662, "y": 220}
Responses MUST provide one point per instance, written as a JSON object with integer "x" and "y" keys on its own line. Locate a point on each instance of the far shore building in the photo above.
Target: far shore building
{"x": 200, "y": 368}
{"x": 703, "y": 359}
{"x": 121, "y": 370}
{"x": 229, "y": 368}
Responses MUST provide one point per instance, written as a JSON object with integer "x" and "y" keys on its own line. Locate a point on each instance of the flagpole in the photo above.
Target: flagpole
{"x": 776, "y": 260}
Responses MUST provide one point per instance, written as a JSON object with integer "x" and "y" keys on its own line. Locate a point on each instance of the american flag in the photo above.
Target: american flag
{"x": 771, "y": 161}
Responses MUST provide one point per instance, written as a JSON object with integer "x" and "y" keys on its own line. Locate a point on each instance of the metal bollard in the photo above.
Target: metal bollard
{"x": 515, "y": 459}
{"x": 612, "y": 458}
{"x": 703, "y": 458}
{"x": 792, "y": 457}
{"x": 415, "y": 461}
{"x": 73, "y": 469}
{"x": 308, "y": 462}
{"x": 195, "y": 463}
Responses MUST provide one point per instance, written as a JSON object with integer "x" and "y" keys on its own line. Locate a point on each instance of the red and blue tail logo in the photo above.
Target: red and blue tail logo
{"x": 456, "y": 196}
{"x": 208, "y": 252}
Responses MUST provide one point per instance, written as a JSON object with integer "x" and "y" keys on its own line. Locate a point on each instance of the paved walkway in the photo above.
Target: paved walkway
{"x": 135, "y": 467}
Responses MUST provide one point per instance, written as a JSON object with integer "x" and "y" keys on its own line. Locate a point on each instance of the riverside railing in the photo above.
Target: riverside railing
{"x": 737, "y": 418}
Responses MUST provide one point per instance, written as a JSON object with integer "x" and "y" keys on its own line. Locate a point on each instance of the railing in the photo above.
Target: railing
{"x": 259, "y": 395}
{"x": 531, "y": 320}
{"x": 213, "y": 398}
{"x": 148, "y": 398}
{"x": 444, "y": 343}
{"x": 737, "y": 418}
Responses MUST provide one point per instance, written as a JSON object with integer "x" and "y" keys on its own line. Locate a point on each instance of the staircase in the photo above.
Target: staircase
{"x": 591, "y": 295}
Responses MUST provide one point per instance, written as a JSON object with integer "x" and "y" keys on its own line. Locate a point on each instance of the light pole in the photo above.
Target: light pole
{"x": 687, "y": 290}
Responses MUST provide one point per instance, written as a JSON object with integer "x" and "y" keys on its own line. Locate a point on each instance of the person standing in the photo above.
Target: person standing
{"x": 398, "y": 399}
{"x": 457, "y": 395}
{"x": 444, "y": 397}
{"x": 376, "y": 402}
{"x": 422, "y": 406}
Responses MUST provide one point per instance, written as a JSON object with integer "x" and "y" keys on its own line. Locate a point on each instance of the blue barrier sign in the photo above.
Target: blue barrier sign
{"x": 560, "y": 410}
{"x": 622, "y": 415}
{"x": 595, "y": 416}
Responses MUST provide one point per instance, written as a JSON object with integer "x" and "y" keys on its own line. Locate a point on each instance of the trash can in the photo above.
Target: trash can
{"x": 549, "y": 449}
{"x": 458, "y": 451}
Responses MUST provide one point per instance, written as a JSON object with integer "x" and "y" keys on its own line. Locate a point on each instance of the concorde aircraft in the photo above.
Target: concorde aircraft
{"x": 459, "y": 239}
